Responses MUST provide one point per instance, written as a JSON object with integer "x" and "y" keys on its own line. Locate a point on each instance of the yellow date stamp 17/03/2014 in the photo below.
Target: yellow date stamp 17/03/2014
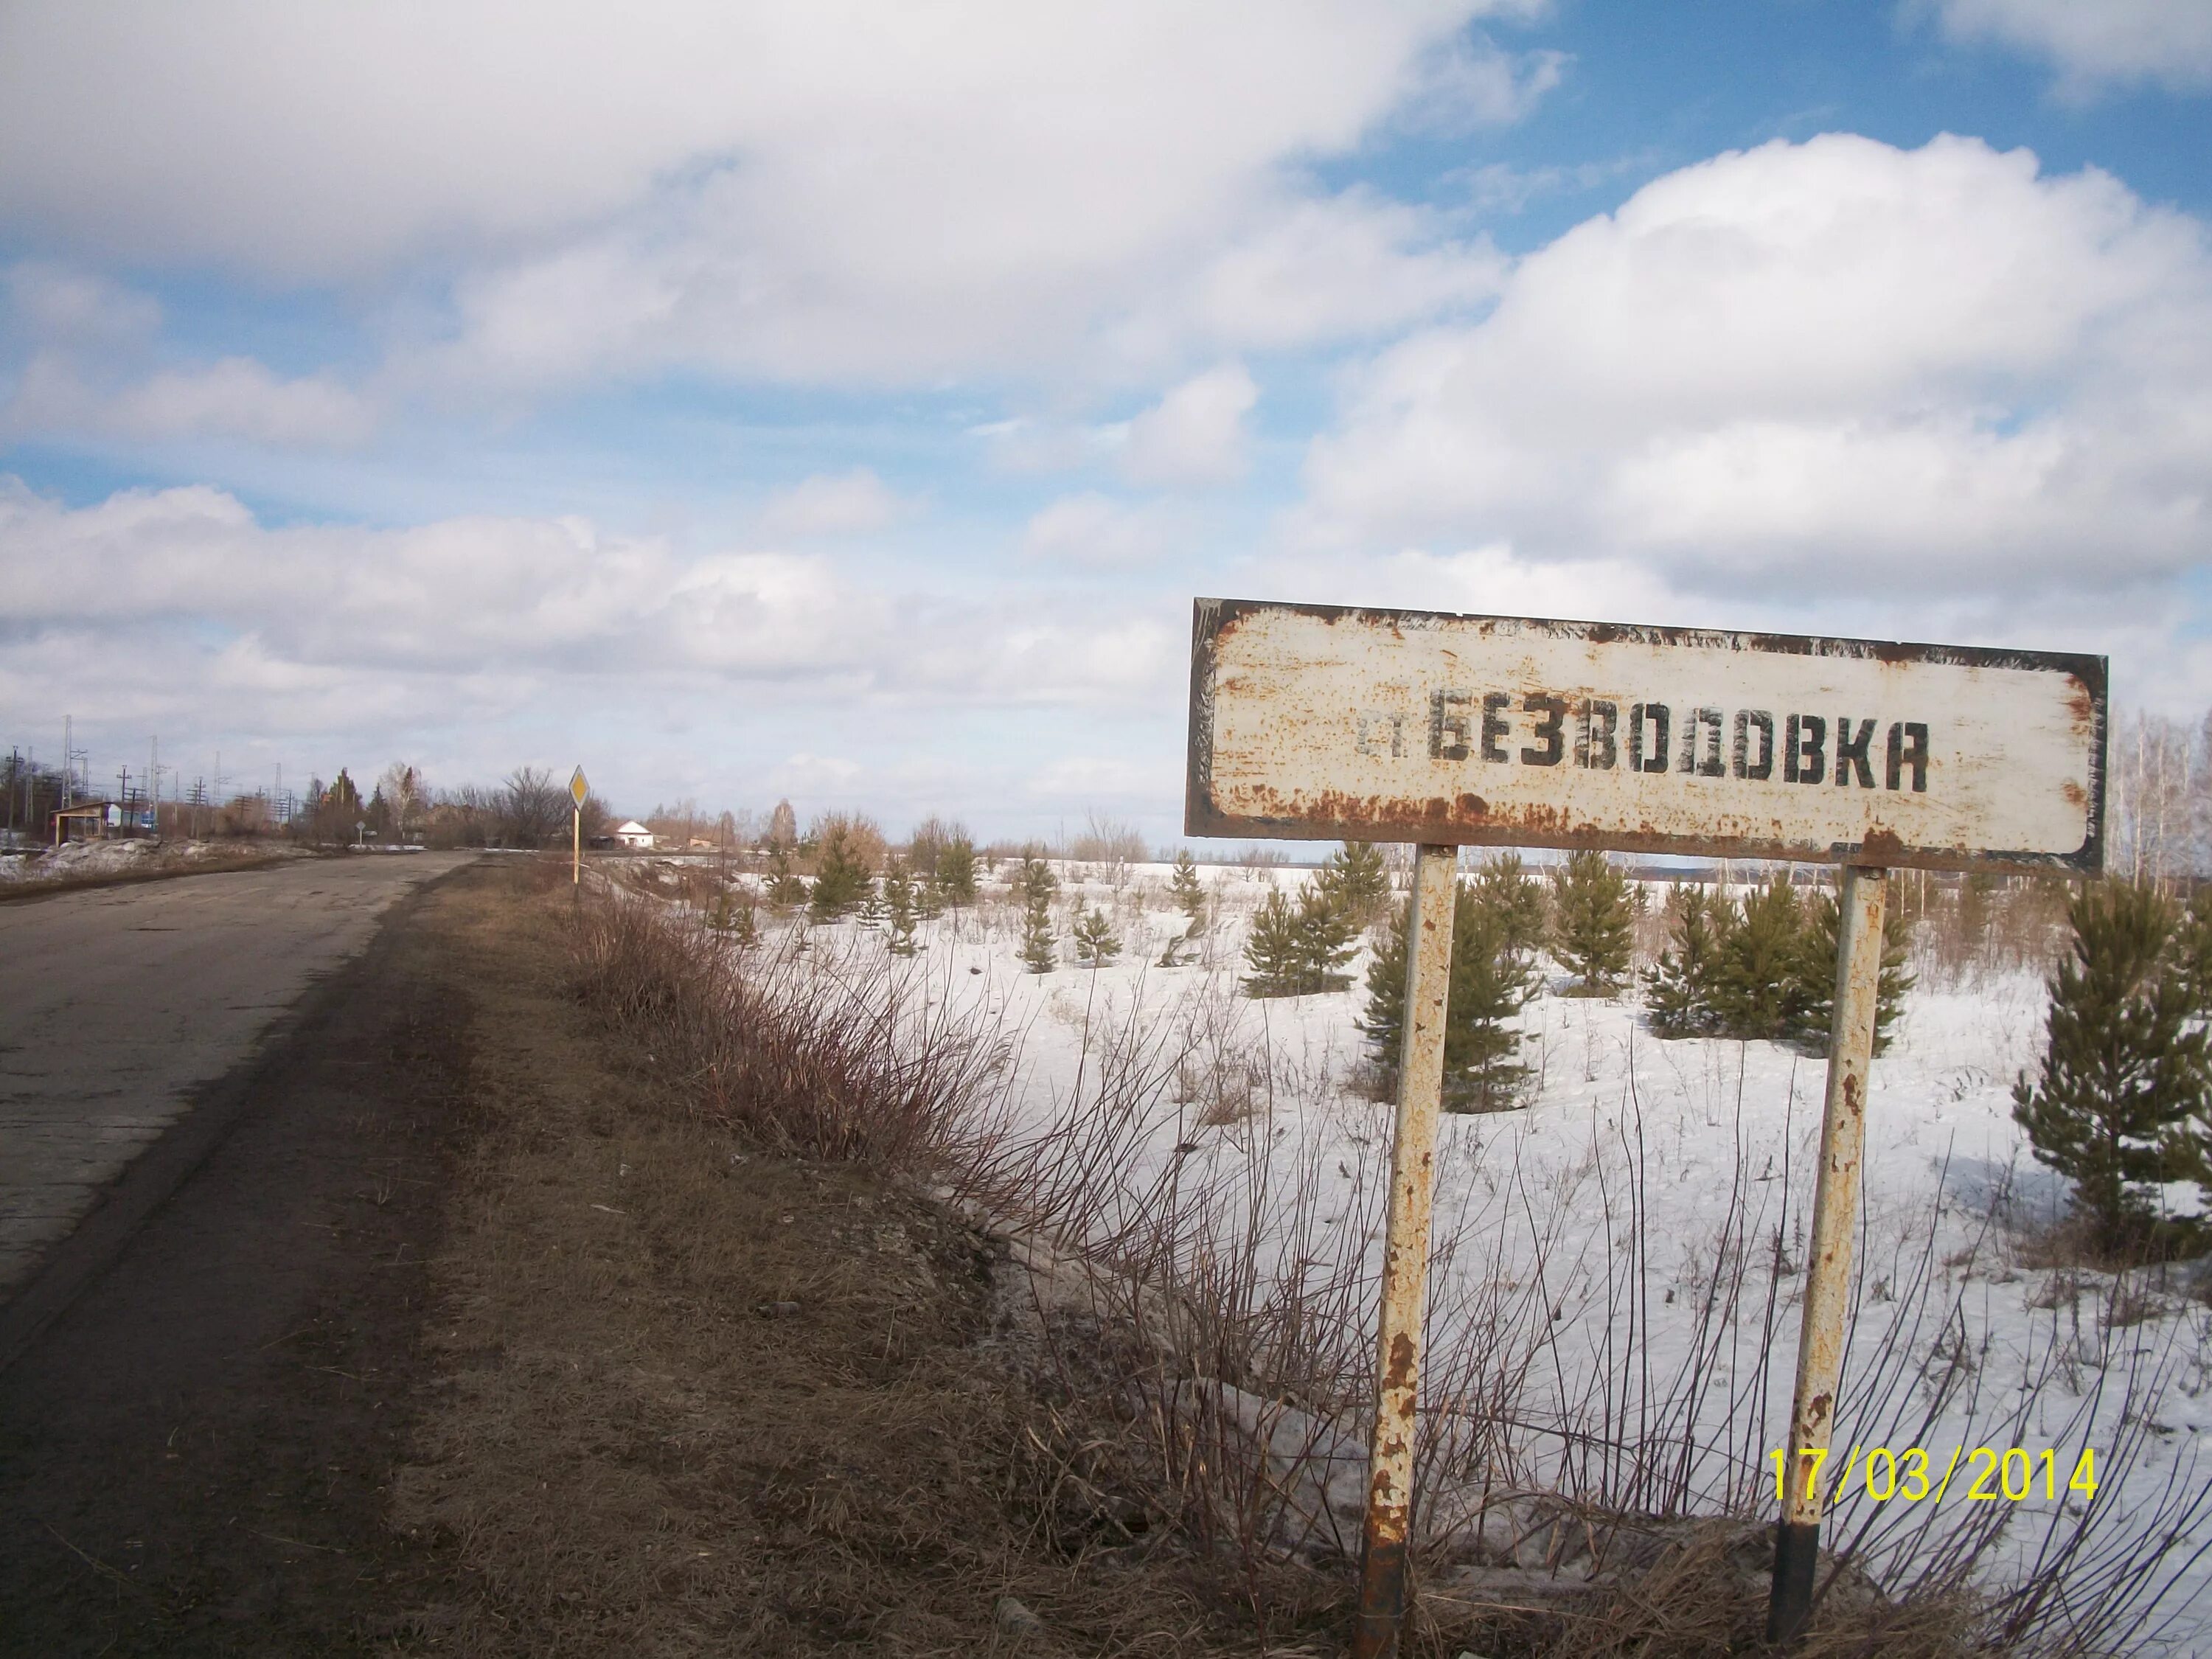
{"x": 1986, "y": 1474}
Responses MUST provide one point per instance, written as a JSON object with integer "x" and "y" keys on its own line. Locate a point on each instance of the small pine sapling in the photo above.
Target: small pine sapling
{"x": 2124, "y": 1069}
{"x": 1298, "y": 951}
{"x": 1679, "y": 993}
{"x": 955, "y": 879}
{"x": 901, "y": 906}
{"x": 841, "y": 878}
{"x": 1593, "y": 925}
{"x": 785, "y": 887}
{"x": 1190, "y": 898}
{"x": 1357, "y": 882}
{"x": 871, "y": 910}
{"x": 1760, "y": 951}
{"x": 732, "y": 916}
{"x": 1096, "y": 943}
{"x": 928, "y": 900}
{"x": 2190, "y": 953}
{"x": 1327, "y": 939}
{"x": 1812, "y": 1006}
{"x": 1274, "y": 948}
{"x": 1190, "y": 892}
{"x": 1036, "y": 885}
{"x": 1504, "y": 887}
{"x": 1492, "y": 980}
{"x": 1383, "y": 1020}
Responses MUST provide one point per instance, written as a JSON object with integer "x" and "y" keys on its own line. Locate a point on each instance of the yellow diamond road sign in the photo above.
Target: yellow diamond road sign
{"x": 578, "y": 788}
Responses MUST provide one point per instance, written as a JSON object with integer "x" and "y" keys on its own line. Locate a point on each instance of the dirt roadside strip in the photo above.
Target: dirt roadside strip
{"x": 466, "y": 1340}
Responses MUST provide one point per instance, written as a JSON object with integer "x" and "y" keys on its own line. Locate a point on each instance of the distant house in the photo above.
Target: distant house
{"x": 635, "y": 835}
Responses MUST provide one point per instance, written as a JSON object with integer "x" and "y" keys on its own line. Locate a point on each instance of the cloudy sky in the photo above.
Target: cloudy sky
{"x": 846, "y": 401}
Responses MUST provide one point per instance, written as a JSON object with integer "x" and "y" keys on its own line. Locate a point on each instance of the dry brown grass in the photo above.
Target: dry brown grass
{"x": 697, "y": 1397}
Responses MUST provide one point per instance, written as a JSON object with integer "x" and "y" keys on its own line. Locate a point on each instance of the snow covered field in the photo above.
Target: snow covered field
{"x": 1636, "y": 1230}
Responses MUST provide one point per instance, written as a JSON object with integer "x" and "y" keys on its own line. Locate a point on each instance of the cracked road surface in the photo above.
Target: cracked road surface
{"x": 120, "y": 1005}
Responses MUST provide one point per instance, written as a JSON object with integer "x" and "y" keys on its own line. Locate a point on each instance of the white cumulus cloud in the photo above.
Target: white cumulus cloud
{"x": 1195, "y": 435}
{"x": 2096, "y": 44}
{"x": 839, "y": 191}
{"x": 1095, "y": 530}
{"x": 1835, "y": 364}
{"x": 834, "y": 504}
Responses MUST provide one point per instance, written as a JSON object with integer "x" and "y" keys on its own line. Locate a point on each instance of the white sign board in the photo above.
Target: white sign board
{"x": 1322, "y": 723}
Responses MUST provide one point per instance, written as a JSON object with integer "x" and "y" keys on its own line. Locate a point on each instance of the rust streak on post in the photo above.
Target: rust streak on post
{"x": 1406, "y": 1258}
{"x": 1827, "y": 1275}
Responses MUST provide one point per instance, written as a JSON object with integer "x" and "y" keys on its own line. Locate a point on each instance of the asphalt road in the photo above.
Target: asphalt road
{"x": 121, "y": 1007}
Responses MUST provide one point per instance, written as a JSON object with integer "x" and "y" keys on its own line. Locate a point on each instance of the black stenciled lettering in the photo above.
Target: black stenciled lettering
{"x": 1851, "y": 753}
{"x": 1748, "y": 721}
{"x": 1704, "y": 723}
{"x": 1908, "y": 746}
{"x": 1495, "y": 727}
{"x": 1594, "y": 748}
{"x": 1367, "y": 739}
{"x": 1448, "y": 731}
{"x": 1804, "y": 749}
{"x": 1651, "y": 757}
{"x": 1551, "y": 732}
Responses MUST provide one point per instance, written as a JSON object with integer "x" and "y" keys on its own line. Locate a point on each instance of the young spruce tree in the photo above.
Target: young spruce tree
{"x": 841, "y": 878}
{"x": 1679, "y": 993}
{"x": 785, "y": 887}
{"x": 955, "y": 879}
{"x": 1189, "y": 897}
{"x": 1096, "y": 943}
{"x": 1813, "y": 1005}
{"x": 2123, "y": 1066}
{"x": 732, "y": 916}
{"x": 1492, "y": 980}
{"x": 1593, "y": 926}
{"x": 1328, "y": 939}
{"x": 1357, "y": 882}
{"x": 1036, "y": 885}
{"x": 1758, "y": 983}
{"x": 1274, "y": 948}
{"x": 1504, "y": 887}
{"x": 1298, "y": 951}
{"x": 901, "y": 905}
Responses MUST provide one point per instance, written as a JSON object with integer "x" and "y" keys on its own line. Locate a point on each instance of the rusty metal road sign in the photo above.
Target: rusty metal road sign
{"x": 1324, "y": 723}
{"x": 1318, "y": 722}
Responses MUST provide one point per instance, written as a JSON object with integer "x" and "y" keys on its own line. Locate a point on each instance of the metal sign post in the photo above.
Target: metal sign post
{"x": 1828, "y": 1274}
{"x": 1406, "y": 1255}
{"x": 1328, "y": 723}
{"x": 578, "y": 789}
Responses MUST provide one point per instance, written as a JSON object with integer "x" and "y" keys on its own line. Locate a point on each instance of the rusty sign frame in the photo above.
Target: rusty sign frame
{"x": 1464, "y": 820}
